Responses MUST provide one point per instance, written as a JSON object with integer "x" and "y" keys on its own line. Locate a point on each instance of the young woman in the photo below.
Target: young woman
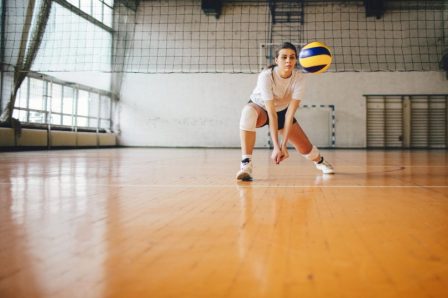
{"x": 274, "y": 101}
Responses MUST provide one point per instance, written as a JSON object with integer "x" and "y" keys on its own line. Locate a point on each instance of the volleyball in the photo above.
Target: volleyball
{"x": 315, "y": 57}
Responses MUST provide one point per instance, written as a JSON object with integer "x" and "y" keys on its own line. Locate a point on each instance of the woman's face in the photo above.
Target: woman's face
{"x": 286, "y": 60}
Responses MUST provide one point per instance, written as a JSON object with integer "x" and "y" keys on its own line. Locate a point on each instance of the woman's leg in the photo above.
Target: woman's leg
{"x": 300, "y": 141}
{"x": 252, "y": 116}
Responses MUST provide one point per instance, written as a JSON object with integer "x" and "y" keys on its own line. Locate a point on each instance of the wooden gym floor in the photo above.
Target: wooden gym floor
{"x": 175, "y": 223}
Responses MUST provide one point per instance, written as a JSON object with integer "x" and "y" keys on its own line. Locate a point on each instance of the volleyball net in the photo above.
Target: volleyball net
{"x": 193, "y": 36}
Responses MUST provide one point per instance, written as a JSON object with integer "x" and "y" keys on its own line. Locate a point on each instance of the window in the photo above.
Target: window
{"x": 72, "y": 43}
{"x": 99, "y": 9}
{"x": 67, "y": 105}
{"x": 44, "y": 101}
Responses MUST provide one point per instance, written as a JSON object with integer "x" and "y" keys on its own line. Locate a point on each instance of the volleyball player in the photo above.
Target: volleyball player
{"x": 274, "y": 102}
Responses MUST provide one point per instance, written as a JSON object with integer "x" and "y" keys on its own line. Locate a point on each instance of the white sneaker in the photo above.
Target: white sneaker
{"x": 245, "y": 172}
{"x": 325, "y": 167}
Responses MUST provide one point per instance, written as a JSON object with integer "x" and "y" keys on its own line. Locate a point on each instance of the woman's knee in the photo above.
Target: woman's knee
{"x": 252, "y": 116}
{"x": 248, "y": 120}
{"x": 262, "y": 117}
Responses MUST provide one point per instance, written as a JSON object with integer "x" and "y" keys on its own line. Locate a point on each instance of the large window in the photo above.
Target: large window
{"x": 74, "y": 42}
{"x": 99, "y": 9}
{"x": 77, "y": 39}
{"x": 49, "y": 101}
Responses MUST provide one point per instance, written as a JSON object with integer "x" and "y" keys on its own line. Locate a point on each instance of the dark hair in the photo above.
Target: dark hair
{"x": 285, "y": 45}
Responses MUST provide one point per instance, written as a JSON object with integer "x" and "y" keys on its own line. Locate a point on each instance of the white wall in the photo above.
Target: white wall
{"x": 194, "y": 109}
{"x": 204, "y": 109}
{"x": 182, "y": 109}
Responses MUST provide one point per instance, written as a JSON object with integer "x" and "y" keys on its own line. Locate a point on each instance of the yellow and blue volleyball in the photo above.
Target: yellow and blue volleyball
{"x": 315, "y": 57}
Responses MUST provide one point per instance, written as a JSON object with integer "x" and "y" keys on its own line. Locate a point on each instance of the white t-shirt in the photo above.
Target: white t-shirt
{"x": 271, "y": 86}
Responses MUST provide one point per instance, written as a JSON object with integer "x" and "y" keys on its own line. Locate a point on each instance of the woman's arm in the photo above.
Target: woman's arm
{"x": 273, "y": 128}
{"x": 292, "y": 108}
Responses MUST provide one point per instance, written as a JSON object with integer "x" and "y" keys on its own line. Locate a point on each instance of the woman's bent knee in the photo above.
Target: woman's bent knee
{"x": 248, "y": 119}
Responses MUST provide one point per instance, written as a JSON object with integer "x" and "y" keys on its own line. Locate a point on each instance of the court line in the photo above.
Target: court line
{"x": 278, "y": 186}
{"x": 238, "y": 185}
